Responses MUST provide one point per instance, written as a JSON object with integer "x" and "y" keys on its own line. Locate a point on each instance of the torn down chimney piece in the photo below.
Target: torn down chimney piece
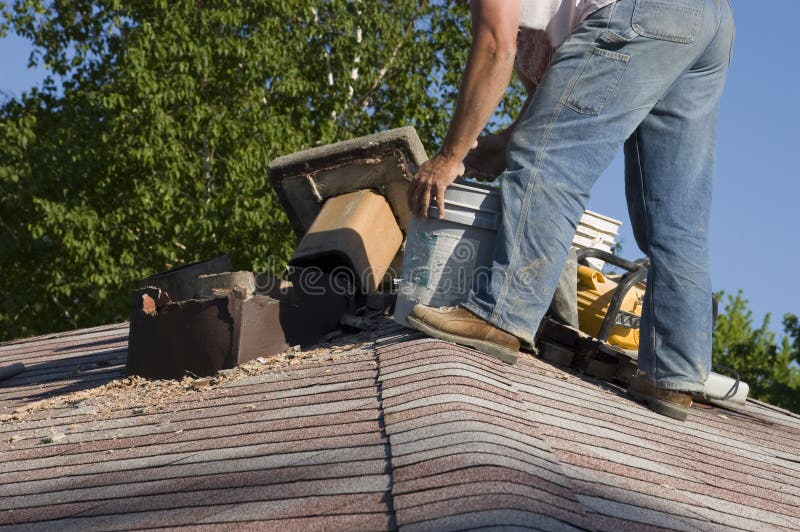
{"x": 347, "y": 202}
{"x": 383, "y": 162}
{"x": 208, "y": 284}
{"x": 181, "y": 282}
{"x": 169, "y": 339}
{"x": 356, "y": 231}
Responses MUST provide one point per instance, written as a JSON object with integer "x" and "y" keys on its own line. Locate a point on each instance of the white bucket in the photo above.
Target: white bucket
{"x": 598, "y": 232}
{"x": 442, "y": 257}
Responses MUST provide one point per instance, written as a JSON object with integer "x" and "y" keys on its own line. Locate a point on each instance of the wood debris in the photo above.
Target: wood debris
{"x": 146, "y": 396}
{"x": 54, "y": 438}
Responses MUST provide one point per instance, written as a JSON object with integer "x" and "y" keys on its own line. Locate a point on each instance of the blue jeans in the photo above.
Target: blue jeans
{"x": 646, "y": 75}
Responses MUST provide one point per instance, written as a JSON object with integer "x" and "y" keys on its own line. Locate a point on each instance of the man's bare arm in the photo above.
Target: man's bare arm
{"x": 491, "y": 61}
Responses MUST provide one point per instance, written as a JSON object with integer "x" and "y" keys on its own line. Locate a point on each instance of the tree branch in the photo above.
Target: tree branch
{"x": 365, "y": 99}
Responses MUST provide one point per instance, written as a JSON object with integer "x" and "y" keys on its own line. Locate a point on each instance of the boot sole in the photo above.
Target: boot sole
{"x": 509, "y": 356}
{"x": 659, "y": 406}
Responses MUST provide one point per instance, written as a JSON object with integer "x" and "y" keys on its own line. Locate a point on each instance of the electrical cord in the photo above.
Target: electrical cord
{"x": 734, "y": 388}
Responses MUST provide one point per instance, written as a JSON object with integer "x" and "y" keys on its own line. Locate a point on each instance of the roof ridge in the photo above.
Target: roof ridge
{"x": 425, "y": 447}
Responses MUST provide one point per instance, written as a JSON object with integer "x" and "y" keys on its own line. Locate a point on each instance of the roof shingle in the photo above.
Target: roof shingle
{"x": 380, "y": 431}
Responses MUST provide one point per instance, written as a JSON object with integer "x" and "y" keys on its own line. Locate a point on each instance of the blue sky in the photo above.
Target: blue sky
{"x": 755, "y": 218}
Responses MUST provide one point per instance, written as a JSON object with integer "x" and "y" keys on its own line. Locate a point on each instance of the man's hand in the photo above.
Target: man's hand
{"x": 487, "y": 158}
{"x": 430, "y": 182}
{"x": 491, "y": 60}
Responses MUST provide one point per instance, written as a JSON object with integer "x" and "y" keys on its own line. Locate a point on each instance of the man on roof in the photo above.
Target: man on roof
{"x": 645, "y": 76}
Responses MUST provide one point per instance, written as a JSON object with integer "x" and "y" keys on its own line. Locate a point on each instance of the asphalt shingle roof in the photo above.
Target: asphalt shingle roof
{"x": 389, "y": 430}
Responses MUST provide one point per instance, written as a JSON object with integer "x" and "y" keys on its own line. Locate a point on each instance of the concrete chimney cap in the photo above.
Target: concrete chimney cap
{"x": 383, "y": 162}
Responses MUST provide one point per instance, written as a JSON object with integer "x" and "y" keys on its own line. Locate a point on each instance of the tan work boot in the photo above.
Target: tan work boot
{"x": 460, "y": 326}
{"x": 670, "y": 403}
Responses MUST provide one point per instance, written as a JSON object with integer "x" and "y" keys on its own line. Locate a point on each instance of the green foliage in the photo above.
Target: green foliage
{"x": 148, "y": 145}
{"x": 768, "y": 366}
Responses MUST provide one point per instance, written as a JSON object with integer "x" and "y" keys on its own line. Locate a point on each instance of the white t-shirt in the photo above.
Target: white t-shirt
{"x": 557, "y": 17}
{"x": 543, "y": 26}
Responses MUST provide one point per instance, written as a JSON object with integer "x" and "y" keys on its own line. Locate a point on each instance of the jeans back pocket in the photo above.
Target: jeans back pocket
{"x": 668, "y": 20}
{"x": 596, "y": 81}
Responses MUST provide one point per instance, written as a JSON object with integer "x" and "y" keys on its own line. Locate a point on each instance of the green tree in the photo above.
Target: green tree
{"x": 768, "y": 366}
{"x": 148, "y": 145}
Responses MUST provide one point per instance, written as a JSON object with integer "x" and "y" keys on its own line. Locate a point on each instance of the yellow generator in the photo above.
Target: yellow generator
{"x": 610, "y": 307}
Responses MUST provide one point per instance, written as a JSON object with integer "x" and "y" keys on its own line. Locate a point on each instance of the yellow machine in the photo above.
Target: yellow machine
{"x": 610, "y": 308}
{"x": 595, "y": 292}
